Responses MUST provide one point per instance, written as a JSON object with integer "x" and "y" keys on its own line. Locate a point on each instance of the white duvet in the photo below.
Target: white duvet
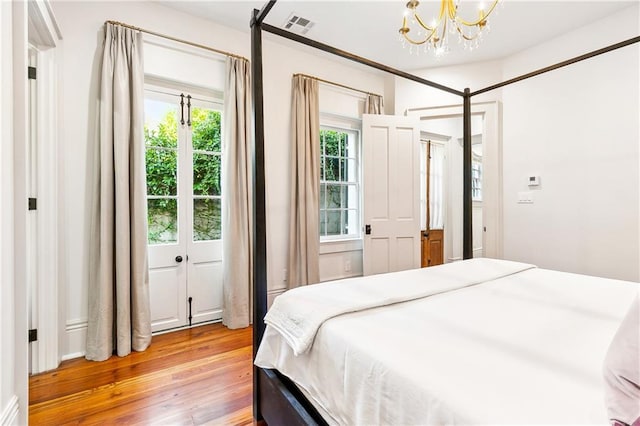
{"x": 522, "y": 348}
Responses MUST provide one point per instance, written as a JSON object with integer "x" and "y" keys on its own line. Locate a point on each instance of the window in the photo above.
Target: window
{"x": 183, "y": 164}
{"x": 339, "y": 183}
{"x": 476, "y": 179}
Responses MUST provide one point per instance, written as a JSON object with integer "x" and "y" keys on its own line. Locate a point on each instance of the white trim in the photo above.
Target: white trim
{"x": 492, "y": 167}
{"x": 43, "y": 28}
{"x": 340, "y": 246}
{"x": 75, "y": 339}
{"x": 46, "y": 354}
{"x": 10, "y": 413}
{"x": 44, "y": 35}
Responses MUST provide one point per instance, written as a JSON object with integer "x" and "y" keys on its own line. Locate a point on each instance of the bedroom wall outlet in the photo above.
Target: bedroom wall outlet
{"x": 525, "y": 197}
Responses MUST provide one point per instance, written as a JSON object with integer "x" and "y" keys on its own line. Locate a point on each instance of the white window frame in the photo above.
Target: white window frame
{"x": 352, "y": 126}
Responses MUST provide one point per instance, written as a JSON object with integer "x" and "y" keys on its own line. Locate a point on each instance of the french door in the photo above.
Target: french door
{"x": 184, "y": 203}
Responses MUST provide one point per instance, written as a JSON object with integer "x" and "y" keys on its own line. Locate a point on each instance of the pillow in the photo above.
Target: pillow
{"x": 622, "y": 370}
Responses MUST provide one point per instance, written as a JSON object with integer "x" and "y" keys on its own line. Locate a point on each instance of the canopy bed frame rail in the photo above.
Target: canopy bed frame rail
{"x": 274, "y": 396}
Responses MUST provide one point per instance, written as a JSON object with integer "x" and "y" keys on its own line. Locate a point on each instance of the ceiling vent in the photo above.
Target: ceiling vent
{"x": 297, "y": 24}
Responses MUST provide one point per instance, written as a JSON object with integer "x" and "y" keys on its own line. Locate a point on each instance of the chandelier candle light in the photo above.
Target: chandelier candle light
{"x": 433, "y": 36}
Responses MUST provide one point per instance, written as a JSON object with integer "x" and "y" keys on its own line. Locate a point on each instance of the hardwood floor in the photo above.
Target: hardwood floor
{"x": 198, "y": 376}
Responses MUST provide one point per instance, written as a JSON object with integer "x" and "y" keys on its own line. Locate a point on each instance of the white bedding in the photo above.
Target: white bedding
{"x": 523, "y": 349}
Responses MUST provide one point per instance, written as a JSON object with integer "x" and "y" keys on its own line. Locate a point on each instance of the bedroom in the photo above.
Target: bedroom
{"x": 578, "y": 238}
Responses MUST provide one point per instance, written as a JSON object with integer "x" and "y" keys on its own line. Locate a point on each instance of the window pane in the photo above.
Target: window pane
{"x": 162, "y": 217}
{"x": 333, "y": 222}
{"x": 322, "y": 167}
{"x": 162, "y": 171}
{"x": 351, "y": 198}
{"x": 343, "y": 144}
{"x": 160, "y": 123}
{"x": 351, "y": 222}
{"x": 332, "y": 142}
{"x": 333, "y": 196}
{"x": 322, "y": 197}
{"x": 323, "y": 223}
{"x": 205, "y": 124}
{"x": 206, "y": 219}
{"x": 350, "y": 146}
{"x": 350, "y": 173}
{"x": 206, "y": 174}
{"x": 332, "y": 169}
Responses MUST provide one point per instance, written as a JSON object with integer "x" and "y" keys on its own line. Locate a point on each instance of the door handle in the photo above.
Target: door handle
{"x": 425, "y": 234}
{"x": 178, "y": 258}
{"x": 367, "y": 229}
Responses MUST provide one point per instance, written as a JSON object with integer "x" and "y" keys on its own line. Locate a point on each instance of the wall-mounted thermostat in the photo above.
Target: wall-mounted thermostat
{"x": 534, "y": 180}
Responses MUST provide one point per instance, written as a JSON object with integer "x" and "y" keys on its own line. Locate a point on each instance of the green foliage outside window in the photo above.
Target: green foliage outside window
{"x": 162, "y": 176}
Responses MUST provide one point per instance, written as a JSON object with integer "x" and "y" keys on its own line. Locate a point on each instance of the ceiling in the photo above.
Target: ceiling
{"x": 370, "y": 28}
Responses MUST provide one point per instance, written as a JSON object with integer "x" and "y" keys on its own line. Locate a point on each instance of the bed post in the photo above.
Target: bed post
{"x": 467, "y": 233}
{"x": 259, "y": 216}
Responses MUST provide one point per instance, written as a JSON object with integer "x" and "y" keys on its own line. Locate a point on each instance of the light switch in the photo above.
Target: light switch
{"x": 525, "y": 197}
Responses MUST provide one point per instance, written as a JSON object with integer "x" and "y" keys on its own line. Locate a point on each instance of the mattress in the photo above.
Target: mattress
{"x": 526, "y": 348}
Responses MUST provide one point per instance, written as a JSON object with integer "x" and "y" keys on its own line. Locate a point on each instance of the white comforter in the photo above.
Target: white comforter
{"x": 526, "y": 348}
{"x": 298, "y": 313}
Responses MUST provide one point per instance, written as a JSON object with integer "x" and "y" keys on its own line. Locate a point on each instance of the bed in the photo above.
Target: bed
{"x": 546, "y": 330}
{"x": 469, "y": 337}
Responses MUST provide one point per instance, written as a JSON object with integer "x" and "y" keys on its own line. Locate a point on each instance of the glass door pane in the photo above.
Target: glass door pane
{"x": 161, "y": 142}
{"x": 207, "y": 172}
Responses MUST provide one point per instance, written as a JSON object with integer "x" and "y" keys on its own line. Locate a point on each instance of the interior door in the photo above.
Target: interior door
{"x": 391, "y": 186}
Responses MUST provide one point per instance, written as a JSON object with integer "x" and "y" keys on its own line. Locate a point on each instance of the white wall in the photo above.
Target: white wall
{"x": 13, "y": 319}
{"x": 578, "y": 128}
{"x": 82, "y": 23}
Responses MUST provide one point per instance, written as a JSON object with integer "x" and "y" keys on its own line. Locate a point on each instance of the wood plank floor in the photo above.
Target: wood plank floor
{"x": 191, "y": 377}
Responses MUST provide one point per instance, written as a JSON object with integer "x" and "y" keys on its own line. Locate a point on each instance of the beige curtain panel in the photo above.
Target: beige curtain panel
{"x": 304, "y": 233}
{"x": 119, "y": 315}
{"x": 373, "y": 104}
{"x": 237, "y": 187}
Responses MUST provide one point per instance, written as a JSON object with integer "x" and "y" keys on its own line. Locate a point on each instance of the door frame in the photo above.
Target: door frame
{"x": 492, "y": 166}
{"x": 44, "y": 294}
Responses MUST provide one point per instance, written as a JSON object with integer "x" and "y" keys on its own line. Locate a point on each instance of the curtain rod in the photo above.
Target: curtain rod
{"x": 337, "y": 84}
{"x": 190, "y": 43}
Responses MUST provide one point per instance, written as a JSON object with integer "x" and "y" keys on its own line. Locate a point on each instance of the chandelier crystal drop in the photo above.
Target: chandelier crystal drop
{"x": 434, "y": 34}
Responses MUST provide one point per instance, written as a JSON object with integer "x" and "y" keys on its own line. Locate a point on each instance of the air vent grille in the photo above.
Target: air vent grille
{"x": 298, "y": 24}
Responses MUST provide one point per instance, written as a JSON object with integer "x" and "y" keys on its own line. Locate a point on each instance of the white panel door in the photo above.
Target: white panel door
{"x": 391, "y": 184}
{"x": 184, "y": 202}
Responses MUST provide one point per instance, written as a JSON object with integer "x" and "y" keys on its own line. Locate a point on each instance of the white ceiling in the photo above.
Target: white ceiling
{"x": 370, "y": 28}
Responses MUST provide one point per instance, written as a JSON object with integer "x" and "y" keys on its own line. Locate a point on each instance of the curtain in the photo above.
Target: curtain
{"x": 436, "y": 186}
{"x": 119, "y": 316}
{"x": 304, "y": 232}
{"x": 373, "y": 104}
{"x": 237, "y": 231}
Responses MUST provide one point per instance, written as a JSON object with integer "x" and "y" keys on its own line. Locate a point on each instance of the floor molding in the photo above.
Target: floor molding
{"x": 10, "y": 413}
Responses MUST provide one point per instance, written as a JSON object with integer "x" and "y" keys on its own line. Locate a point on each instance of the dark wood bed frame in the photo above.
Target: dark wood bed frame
{"x": 275, "y": 398}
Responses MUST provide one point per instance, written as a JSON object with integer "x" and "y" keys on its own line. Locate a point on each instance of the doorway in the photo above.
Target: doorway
{"x": 432, "y": 198}
{"x": 184, "y": 203}
{"x": 445, "y": 124}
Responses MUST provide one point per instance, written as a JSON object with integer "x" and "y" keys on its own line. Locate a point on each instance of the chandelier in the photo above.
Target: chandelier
{"x": 433, "y": 35}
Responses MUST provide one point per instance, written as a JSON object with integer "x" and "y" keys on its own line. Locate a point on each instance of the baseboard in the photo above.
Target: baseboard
{"x": 10, "y": 413}
{"x": 75, "y": 339}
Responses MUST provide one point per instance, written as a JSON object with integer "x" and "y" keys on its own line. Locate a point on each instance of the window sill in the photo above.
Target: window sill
{"x": 340, "y": 246}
